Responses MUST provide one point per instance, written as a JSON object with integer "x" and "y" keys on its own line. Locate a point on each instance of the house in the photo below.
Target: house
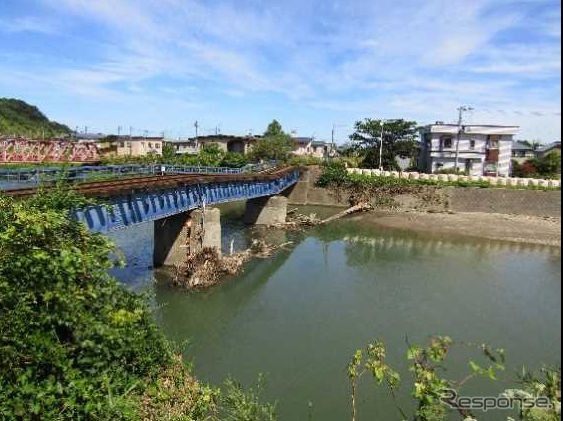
{"x": 229, "y": 143}
{"x": 308, "y": 146}
{"x": 482, "y": 149}
{"x": 554, "y": 147}
{"x": 139, "y": 145}
{"x": 522, "y": 151}
{"x": 184, "y": 146}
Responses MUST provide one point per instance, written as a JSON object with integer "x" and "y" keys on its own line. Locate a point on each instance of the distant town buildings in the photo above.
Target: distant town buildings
{"x": 229, "y": 143}
{"x": 482, "y": 149}
{"x": 183, "y": 146}
{"x": 522, "y": 151}
{"x": 308, "y": 146}
{"x": 139, "y": 145}
{"x": 544, "y": 150}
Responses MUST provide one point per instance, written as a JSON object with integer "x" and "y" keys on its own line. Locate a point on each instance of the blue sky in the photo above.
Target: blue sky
{"x": 159, "y": 65}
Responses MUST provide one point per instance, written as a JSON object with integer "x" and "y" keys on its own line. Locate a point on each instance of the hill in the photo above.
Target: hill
{"x": 20, "y": 118}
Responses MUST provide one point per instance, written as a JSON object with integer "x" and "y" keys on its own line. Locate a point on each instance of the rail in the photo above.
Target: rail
{"x": 12, "y": 178}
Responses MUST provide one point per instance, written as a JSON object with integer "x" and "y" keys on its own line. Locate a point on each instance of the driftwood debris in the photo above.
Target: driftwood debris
{"x": 298, "y": 221}
{"x": 361, "y": 207}
{"x": 207, "y": 267}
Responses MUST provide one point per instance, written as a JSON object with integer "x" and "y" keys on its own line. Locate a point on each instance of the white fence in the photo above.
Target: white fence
{"x": 493, "y": 181}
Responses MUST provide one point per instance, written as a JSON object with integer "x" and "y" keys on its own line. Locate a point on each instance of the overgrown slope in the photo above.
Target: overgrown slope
{"x": 20, "y": 118}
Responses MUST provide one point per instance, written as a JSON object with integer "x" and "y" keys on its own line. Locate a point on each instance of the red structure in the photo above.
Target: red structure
{"x": 24, "y": 150}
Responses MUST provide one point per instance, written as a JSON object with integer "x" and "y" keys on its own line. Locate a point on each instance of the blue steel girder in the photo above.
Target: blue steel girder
{"x": 124, "y": 211}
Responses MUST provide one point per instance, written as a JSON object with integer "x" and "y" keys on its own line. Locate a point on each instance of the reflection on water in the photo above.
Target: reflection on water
{"x": 300, "y": 315}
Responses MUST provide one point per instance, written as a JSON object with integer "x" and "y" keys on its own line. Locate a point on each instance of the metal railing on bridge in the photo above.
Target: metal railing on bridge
{"x": 15, "y": 178}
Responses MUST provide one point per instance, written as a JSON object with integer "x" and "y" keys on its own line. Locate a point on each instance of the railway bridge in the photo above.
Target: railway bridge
{"x": 181, "y": 205}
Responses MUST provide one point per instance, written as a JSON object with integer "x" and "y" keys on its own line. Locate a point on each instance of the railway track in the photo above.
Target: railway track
{"x": 155, "y": 182}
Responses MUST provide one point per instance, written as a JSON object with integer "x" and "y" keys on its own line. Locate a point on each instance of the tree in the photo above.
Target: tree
{"x": 399, "y": 138}
{"x": 276, "y": 145}
{"x": 168, "y": 153}
{"x": 274, "y": 129}
{"x": 211, "y": 155}
{"x": 534, "y": 144}
{"x": 548, "y": 166}
{"x": 234, "y": 160}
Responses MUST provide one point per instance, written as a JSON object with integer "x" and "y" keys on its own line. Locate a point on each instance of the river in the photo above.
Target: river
{"x": 298, "y": 317}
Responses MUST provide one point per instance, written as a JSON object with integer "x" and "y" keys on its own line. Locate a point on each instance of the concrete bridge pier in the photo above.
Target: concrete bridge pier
{"x": 266, "y": 210}
{"x": 177, "y": 236}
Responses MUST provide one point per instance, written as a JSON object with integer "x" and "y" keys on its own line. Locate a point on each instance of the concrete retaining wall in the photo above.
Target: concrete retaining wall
{"x": 520, "y": 202}
{"x": 305, "y": 191}
{"x": 457, "y": 199}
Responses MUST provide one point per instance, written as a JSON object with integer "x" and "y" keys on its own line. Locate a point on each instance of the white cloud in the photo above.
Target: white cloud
{"x": 408, "y": 57}
{"x": 28, "y": 24}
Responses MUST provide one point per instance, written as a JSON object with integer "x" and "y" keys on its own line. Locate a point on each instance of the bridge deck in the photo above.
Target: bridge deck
{"x": 143, "y": 199}
{"x": 157, "y": 182}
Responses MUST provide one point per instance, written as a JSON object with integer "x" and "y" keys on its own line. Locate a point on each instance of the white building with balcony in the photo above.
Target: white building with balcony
{"x": 482, "y": 150}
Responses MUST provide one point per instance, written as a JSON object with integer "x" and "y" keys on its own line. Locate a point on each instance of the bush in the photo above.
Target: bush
{"x": 242, "y": 404}
{"x": 548, "y": 166}
{"x": 304, "y": 160}
{"x": 334, "y": 174}
{"x": 234, "y": 160}
{"x": 459, "y": 171}
{"x": 74, "y": 343}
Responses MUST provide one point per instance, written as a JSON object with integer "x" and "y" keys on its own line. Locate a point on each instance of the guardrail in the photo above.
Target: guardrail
{"x": 33, "y": 176}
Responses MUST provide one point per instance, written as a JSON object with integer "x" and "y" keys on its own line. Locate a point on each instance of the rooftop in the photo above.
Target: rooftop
{"x": 485, "y": 129}
{"x": 549, "y": 146}
{"x": 521, "y": 146}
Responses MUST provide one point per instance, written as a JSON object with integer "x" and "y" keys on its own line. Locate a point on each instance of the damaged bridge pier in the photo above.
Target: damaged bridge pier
{"x": 184, "y": 234}
{"x": 187, "y": 233}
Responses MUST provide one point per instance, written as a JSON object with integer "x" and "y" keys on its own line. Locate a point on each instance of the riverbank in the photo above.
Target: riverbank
{"x": 491, "y": 226}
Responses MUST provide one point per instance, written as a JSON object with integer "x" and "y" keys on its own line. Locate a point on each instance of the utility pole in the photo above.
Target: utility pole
{"x": 382, "y": 124}
{"x": 130, "y": 144}
{"x": 460, "y": 129}
{"x": 196, "y": 125}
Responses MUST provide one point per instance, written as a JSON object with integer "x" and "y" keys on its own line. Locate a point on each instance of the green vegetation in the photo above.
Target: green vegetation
{"x": 210, "y": 156}
{"x": 74, "y": 344}
{"x": 427, "y": 364}
{"x": 305, "y": 160}
{"x": 548, "y": 166}
{"x": 335, "y": 175}
{"x": 21, "y": 119}
{"x": 399, "y": 139}
{"x": 276, "y": 145}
